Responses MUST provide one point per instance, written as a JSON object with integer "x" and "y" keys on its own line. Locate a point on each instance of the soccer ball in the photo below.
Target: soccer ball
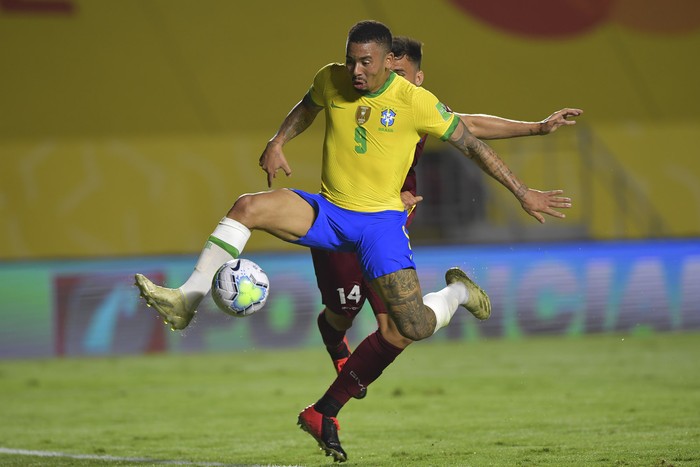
{"x": 240, "y": 287}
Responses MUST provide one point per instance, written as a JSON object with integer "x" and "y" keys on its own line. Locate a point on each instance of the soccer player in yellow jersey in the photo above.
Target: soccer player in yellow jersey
{"x": 339, "y": 275}
{"x": 373, "y": 121}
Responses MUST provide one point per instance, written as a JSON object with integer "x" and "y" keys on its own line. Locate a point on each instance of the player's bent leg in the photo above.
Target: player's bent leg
{"x": 387, "y": 327}
{"x": 324, "y": 430}
{"x": 401, "y": 293}
{"x": 282, "y": 213}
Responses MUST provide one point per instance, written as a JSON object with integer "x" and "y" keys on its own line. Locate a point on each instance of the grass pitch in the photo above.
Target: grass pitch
{"x": 595, "y": 400}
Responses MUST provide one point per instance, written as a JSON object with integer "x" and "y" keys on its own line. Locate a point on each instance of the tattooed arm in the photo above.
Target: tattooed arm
{"x": 298, "y": 120}
{"x": 492, "y": 127}
{"x": 534, "y": 202}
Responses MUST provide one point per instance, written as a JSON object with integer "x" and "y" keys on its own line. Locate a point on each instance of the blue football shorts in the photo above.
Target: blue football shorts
{"x": 379, "y": 239}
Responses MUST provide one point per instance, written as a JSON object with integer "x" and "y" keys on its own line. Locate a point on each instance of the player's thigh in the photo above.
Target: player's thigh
{"x": 282, "y": 213}
{"x": 399, "y": 287}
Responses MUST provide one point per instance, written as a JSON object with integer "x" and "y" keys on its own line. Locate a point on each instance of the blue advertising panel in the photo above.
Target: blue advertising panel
{"x": 65, "y": 308}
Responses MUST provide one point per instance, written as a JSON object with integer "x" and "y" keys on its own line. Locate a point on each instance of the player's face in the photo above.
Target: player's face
{"x": 368, "y": 64}
{"x": 408, "y": 69}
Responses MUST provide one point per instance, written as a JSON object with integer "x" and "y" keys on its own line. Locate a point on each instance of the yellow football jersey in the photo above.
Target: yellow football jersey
{"x": 371, "y": 138}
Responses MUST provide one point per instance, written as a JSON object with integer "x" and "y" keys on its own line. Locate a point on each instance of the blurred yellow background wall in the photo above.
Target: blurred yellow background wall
{"x": 130, "y": 127}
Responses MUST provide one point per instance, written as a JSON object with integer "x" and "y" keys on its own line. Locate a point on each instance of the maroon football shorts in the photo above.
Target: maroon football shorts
{"x": 341, "y": 283}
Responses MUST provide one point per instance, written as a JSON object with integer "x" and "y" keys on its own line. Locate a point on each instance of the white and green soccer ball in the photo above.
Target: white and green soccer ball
{"x": 240, "y": 287}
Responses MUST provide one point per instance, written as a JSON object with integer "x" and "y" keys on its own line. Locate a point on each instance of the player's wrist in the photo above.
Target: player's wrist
{"x": 274, "y": 142}
{"x": 540, "y": 128}
{"x": 521, "y": 192}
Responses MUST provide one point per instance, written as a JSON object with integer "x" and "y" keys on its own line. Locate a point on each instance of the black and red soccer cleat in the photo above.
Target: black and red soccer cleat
{"x": 324, "y": 430}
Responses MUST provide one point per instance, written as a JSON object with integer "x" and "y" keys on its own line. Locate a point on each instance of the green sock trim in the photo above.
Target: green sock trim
{"x": 225, "y": 246}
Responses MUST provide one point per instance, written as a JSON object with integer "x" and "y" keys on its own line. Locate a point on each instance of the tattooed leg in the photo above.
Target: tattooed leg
{"x": 401, "y": 292}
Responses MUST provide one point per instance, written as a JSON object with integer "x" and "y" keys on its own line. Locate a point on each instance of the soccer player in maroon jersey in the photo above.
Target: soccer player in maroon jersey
{"x": 339, "y": 276}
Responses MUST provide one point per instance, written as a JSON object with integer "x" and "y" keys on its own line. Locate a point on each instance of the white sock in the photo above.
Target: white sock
{"x": 445, "y": 302}
{"x": 225, "y": 243}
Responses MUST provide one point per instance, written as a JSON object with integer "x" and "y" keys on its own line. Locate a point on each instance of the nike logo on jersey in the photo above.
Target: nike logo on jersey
{"x": 333, "y": 106}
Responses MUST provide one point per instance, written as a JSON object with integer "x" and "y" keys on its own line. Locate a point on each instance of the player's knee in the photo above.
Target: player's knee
{"x": 391, "y": 334}
{"x": 246, "y": 209}
{"x": 337, "y": 321}
{"x": 412, "y": 331}
{"x": 243, "y": 204}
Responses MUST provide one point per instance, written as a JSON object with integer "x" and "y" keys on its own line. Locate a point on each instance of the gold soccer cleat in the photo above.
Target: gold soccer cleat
{"x": 169, "y": 303}
{"x": 478, "y": 302}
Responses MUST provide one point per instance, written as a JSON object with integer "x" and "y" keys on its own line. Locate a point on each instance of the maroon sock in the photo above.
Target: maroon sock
{"x": 365, "y": 364}
{"x": 332, "y": 338}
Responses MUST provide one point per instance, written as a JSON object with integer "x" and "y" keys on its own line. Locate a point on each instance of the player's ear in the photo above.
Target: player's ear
{"x": 389, "y": 60}
{"x": 419, "y": 77}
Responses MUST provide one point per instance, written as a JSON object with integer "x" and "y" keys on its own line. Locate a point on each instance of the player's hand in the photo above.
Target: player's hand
{"x": 537, "y": 202}
{"x": 557, "y": 119}
{"x": 409, "y": 200}
{"x": 272, "y": 160}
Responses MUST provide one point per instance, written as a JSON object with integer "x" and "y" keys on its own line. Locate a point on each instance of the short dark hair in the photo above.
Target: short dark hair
{"x": 370, "y": 31}
{"x": 412, "y": 49}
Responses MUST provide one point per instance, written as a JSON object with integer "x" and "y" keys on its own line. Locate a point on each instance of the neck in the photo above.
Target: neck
{"x": 382, "y": 82}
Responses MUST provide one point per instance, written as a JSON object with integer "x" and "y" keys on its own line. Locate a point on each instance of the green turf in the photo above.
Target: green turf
{"x": 596, "y": 400}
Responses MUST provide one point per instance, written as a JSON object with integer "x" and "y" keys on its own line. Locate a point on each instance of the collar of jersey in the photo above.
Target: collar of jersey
{"x": 386, "y": 84}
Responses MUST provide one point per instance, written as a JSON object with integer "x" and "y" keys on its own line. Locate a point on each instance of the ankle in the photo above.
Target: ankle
{"x": 328, "y": 406}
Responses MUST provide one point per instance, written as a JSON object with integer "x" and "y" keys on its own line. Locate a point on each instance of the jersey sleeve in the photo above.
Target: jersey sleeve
{"x": 317, "y": 91}
{"x": 432, "y": 117}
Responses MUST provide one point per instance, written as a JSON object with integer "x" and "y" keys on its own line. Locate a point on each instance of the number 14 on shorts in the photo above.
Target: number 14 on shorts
{"x": 353, "y": 295}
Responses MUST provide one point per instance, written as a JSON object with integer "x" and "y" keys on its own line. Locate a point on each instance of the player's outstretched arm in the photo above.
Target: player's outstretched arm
{"x": 492, "y": 127}
{"x": 534, "y": 202}
{"x": 298, "y": 120}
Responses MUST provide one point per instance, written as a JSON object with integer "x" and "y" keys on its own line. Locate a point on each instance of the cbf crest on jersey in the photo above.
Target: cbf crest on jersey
{"x": 362, "y": 114}
{"x": 388, "y": 116}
